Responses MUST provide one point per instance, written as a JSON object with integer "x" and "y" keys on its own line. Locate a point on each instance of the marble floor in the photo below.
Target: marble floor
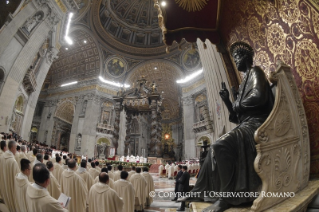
{"x": 162, "y": 201}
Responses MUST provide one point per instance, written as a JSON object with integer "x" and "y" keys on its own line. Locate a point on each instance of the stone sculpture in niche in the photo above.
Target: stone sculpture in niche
{"x": 229, "y": 166}
{"x": 78, "y": 141}
{"x": 32, "y": 22}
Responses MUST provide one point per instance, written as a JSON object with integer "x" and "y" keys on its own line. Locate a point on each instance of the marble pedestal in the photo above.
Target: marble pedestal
{"x": 296, "y": 204}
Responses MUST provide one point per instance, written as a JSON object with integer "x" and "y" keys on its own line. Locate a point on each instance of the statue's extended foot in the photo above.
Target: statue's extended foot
{"x": 219, "y": 206}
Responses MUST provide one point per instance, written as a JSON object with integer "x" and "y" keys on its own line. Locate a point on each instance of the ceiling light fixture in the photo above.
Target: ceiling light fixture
{"x": 190, "y": 77}
{"x": 84, "y": 41}
{"x": 163, "y": 3}
{"x": 113, "y": 83}
{"x": 66, "y": 37}
{"x": 71, "y": 83}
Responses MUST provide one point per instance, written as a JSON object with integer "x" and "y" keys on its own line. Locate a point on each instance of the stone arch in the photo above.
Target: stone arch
{"x": 104, "y": 140}
{"x": 65, "y": 111}
{"x": 200, "y": 139}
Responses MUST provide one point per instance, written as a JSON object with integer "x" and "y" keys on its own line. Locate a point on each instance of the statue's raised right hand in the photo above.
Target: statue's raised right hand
{"x": 224, "y": 93}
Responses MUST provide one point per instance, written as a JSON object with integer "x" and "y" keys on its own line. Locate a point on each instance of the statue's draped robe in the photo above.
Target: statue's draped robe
{"x": 54, "y": 187}
{"x": 139, "y": 184}
{"x": 39, "y": 200}
{"x": 20, "y": 188}
{"x": 149, "y": 187}
{"x": 229, "y": 165}
{"x": 9, "y": 169}
{"x": 74, "y": 186}
{"x": 103, "y": 198}
{"x": 126, "y": 191}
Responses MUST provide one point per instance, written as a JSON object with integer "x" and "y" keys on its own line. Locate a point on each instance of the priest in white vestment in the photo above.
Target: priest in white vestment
{"x": 54, "y": 187}
{"x": 126, "y": 191}
{"x": 171, "y": 171}
{"x": 93, "y": 171}
{"x": 16, "y": 156}
{"x": 117, "y": 174}
{"x": 139, "y": 184}
{"x": 149, "y": 187}
{"x": 21, "y": 184}
{"x": 89, "y": 164}
{"x": 86, "y": 176}
{"x": 166, "y": 168}
{"x": 74, "y": 186}
{"x": 160, "y": 171}
{"x": 38, "y": 198}
{"x": 103, "y": 198}
{"x": 97, "y": 166}
{"x": 22, "y": 154}
{"x": 130, "y": 173}
{"x": 3, "y": 145}
{"x": 58, "y": 169}
{"x": 9, "y": 169}
{"x": 32, "y": 158}
{"x": 110, "y": 182}
{"x": 110, "y": 173}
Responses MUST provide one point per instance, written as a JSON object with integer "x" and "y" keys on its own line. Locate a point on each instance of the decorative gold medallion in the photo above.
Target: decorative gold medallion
{"x": 192, "y": 5}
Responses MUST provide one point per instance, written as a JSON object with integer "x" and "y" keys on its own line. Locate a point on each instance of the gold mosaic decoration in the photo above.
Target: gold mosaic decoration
{"x": 307, "y": 62}
{"x": 192, "y": 5}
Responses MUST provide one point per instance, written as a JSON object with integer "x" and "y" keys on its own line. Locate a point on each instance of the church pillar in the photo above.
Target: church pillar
{"x": 189, "y": 135}
{"x": 89, "y": 125}
{"x": 47, "y": 122}
{"x": 32, "y": 102}
{"x": 121, "y": 133}
{"x": 76, "y": 124}
{"x": 215, "y": 74}
{"x": 117, "y": 108}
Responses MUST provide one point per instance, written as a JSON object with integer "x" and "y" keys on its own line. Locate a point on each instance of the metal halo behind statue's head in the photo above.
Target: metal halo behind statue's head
{"x": 242, "y": 46}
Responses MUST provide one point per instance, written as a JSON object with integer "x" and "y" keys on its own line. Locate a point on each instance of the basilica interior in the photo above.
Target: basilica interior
{"x": 106, "y": 78}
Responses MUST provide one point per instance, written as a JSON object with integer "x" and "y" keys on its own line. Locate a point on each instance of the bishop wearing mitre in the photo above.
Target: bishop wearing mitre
{"x": 102, "y": 197}
{"x": 139, "y": 184}
{"x": 9, "y": 169}
{"x": 82, "y": 172}
{"x": 74, "y": 186}
{"x": 126, "y": 191}
{"x": 149, "y": 187}
{"x": 21, "y": 184}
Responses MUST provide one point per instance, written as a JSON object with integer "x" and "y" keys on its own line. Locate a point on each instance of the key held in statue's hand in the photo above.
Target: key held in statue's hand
{"x": 224, "y": 93}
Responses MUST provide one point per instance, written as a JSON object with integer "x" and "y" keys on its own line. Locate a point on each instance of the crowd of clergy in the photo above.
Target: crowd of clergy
{"x": 32, "y": 181}
{"x": 170, "y": 170}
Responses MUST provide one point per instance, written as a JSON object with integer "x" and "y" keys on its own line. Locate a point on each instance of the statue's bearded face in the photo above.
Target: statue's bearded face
{"x": 241, "y": 59}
